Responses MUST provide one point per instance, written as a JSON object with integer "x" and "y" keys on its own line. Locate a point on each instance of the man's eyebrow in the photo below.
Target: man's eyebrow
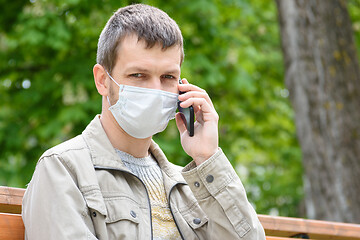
{"x": 137, "y": 69}
{"x": 172, "y": 71}
{"x": 144, "y": 70}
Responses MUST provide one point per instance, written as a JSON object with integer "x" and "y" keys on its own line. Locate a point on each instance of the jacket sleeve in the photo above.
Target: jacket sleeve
{"x": 222, "y": 197}
{"x": 53, "y": 206}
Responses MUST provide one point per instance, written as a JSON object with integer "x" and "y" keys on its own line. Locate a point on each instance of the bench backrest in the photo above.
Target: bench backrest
{"x": 276, "y": 228}
{"x": 313, "y": 229}
{"x": 11, "y": 224}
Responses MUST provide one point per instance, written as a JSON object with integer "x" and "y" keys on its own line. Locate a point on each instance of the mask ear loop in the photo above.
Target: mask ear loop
{"x": 107, "y": 97}
{"x": 112, "y": 78}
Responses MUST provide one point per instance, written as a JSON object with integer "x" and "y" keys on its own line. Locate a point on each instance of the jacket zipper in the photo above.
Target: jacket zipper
{"x": 147, "y": 194}
{"x": 177, "y": 226}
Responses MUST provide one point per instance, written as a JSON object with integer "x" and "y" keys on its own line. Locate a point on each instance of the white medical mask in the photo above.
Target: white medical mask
{"x": 143, "y": 112}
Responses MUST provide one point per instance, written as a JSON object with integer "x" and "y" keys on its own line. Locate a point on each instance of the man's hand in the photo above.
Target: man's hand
{"x": 205, "y": 141}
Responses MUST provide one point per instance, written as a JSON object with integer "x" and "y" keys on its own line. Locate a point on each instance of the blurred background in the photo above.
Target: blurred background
{"x": 232, "y": 49}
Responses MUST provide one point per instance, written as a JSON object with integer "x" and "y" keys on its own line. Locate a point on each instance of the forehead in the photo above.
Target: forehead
{"x": 132, "y": 51}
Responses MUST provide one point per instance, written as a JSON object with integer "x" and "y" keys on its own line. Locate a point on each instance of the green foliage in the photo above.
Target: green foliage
{"x": 354, "y": 12}
{"x": 232, "y": 49}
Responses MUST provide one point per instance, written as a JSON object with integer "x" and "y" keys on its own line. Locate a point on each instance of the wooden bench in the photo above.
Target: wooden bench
{"x": 276, "y": 228}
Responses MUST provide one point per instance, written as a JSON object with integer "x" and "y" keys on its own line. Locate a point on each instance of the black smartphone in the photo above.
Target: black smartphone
{"x": 187, "y": 115}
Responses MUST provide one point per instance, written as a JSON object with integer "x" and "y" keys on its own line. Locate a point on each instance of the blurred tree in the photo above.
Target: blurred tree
{"x": 47, "y": 95}
{"x": 323, "y": 77}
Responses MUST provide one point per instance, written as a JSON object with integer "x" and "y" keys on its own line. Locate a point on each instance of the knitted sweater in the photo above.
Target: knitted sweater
{"x": 148, "y": 170}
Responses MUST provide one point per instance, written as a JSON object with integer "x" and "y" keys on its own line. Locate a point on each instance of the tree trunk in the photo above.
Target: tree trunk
{"x": 323, "y": 78}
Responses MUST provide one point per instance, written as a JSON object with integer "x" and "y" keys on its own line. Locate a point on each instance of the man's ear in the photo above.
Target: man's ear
{"x": 100, "y": 79}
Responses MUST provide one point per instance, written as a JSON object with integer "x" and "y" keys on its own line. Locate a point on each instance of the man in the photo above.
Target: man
{"x": 113, "y": 181}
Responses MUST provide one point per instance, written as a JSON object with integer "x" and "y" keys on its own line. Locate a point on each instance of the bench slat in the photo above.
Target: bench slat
{"x": 315, "y": 229}
{"x": 11, "y": 199}
{"x": 11, "y": 227}
{"x": 280, "y": 238}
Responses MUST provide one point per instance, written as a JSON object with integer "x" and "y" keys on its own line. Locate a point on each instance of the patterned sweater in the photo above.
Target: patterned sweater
{"x": 148, "y": 170}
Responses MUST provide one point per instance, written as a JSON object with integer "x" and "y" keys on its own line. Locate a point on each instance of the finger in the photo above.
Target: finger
{"x": 185, "y": 81}
{"x": 180, "y": 123}
{"x": 206, "y": 113}
{"x": 196, "y": 109}
{"x": 189, "y": 87}
{"x": 195, "y": 94}
{"x": 197, "y": 103}
{"x": 199, "y": 116}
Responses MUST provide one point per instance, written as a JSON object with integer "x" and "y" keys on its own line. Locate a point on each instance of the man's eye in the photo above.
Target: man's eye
{"x": 169, "y": 76}
{"x": 137, "y": 75}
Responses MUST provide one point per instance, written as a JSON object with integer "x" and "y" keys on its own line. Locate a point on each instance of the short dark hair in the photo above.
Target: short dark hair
{"x": 150, "y": 24}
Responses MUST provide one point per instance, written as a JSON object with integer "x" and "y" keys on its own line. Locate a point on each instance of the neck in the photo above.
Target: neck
{"x": 136, "y": 147}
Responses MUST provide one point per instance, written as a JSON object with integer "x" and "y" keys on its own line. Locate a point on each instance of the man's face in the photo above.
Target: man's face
{"x": 144, "y": 67}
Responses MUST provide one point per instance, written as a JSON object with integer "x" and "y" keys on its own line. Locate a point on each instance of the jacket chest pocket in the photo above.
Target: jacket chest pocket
{"x": 123, "y": 218}
{"x": 113, "y": 217}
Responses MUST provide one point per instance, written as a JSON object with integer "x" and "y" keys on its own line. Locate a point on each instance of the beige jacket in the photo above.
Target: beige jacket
{"x": 82, "y": 190}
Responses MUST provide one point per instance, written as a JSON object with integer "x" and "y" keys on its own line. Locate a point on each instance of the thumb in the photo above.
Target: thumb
{"x": 180, "y": 123}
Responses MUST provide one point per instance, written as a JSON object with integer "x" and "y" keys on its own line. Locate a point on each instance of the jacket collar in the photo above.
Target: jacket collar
{"x": 103, "y": 153}
{"x": 171, "y": 172}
